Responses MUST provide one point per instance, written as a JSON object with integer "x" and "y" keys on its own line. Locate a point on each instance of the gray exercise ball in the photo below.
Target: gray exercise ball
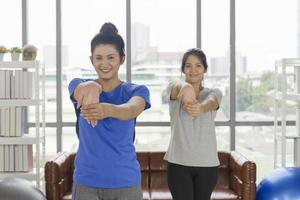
{"x": 19, "y": 189}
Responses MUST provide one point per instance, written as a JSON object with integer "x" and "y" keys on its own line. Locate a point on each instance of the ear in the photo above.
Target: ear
{"x": 122, "y": 60}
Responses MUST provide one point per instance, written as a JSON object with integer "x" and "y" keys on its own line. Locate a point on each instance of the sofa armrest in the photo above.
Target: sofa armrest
{"x": 59, "y": 175}
{"x": 242, "y": 176}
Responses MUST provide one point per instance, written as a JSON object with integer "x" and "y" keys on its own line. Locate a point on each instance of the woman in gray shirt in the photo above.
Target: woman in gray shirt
{"x": 192, "y": 154}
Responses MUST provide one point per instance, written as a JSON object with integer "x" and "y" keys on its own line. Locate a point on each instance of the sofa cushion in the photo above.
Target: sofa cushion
{"x": 145, "y": 180}
{"x": 158, "y": 180}
{"x": 157, "y": 161}
{"x": 143, "y": 158}
{"x": 67, "y": 196}
{"x": 220, "y": 193}
{"x": 160, "y": 194}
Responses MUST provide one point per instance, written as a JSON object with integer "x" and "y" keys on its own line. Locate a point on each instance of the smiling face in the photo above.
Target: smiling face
{"x": 193, "y": 69}
{"x": 106, "y": 61}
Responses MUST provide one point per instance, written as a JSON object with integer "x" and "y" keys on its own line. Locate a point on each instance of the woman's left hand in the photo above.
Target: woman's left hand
{"x": 95, "y": 111}
{"x": 193, "y": 109}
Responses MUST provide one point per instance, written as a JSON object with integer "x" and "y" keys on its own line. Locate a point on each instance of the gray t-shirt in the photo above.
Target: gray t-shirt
{"x": 193, "y": 139}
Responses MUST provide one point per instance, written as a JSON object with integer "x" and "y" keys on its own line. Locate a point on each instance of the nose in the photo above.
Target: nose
{"x": 194, "y": 69}
{"x": 103, "y": 63}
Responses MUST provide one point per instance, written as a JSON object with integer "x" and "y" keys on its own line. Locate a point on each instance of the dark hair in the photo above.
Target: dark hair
{"x": 108, "y": 34}
{"x": 196, "y": 52}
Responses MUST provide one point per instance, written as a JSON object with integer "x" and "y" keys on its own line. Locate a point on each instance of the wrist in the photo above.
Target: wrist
{"x": 200, "y": 107}
{"x": 109, "y": 110}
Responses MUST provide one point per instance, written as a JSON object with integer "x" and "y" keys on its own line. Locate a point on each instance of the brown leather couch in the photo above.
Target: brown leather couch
{"x": 237, "y": 177}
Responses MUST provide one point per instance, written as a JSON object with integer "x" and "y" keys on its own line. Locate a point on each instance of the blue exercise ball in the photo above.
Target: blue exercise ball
{"x": 280, "y": 184}
{"x": 19, "y": 189}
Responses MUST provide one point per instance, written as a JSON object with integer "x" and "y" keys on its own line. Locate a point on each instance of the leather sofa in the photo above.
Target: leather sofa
{"x": 237, "y": 177}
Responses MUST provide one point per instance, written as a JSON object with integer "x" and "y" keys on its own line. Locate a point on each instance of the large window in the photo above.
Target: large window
{"x": 161, "y": 31}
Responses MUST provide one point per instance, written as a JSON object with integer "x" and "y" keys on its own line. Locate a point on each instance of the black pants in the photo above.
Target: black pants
{"x": 191, "y": 183}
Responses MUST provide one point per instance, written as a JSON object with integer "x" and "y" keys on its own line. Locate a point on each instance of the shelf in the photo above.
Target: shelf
{"x": 26, "y": 139}
{"x": 19, "y": 102}
{"x": 37, "y": 138}
{"x": 26, "y": 175}
{"x": 19, "y": 64}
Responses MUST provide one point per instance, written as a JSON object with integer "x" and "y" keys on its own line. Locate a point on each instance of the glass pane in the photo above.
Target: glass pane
{"x": 11, "y": 25}
{"x": 215, "y": 44}
{"x": 160, "y": 35}
{"x": 223, "y": 138}
{"x": 257, "y": 144}
{"x": 41, "y": 33}
{"x": 50, "y": 141}
{"x": 70, "y": 140}
{"x": 261, "y": 39}
{"x": 152, "y": 138}
{"x": 81, "y": 21}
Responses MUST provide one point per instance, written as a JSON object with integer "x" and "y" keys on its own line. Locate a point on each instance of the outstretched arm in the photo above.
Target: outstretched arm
{"x": 195, "y": 109}
{"x": 87, "y": 93}
{"x": 183, "y": 91}
{"x": 125, "y": 111}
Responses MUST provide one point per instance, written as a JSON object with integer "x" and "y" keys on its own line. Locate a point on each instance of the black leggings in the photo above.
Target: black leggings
{"x": 191, "y": 183}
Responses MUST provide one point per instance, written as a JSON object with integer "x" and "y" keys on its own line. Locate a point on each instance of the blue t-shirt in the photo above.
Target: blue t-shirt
{"x": 106, "y": 155}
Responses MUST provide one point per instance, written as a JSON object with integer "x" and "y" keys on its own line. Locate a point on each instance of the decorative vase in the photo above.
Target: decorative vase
{"x": 15, "y": 56}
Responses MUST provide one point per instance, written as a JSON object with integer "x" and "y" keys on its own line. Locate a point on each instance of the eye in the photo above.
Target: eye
{"x": 111, "y": 57}
{"x": 98, "y": 58}
{"x": 187, "y": 65}
{"x": 199, "y": 65}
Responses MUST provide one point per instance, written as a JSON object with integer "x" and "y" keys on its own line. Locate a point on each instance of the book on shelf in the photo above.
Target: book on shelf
{"x": 16, "y": 84}
{"x": 12, "y": 121}
{"x": 16, "y": 158}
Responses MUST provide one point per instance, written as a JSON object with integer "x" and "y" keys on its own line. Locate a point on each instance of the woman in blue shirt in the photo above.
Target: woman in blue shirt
{"x": 106, "y": 166}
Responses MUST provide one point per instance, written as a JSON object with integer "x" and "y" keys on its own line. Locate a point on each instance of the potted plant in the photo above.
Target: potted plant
{"x": 15, "y": 53}
{"x": 29, "y": 52}
{"x": 3, "y": 50}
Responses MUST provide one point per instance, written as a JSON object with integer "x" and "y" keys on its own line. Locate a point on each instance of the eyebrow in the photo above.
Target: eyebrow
{"x": 199, "y": 63}
{"x": 112, "y": 54}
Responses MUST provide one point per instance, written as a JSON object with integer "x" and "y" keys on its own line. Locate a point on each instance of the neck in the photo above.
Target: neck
{"x": 108, "y": 85}
{"x": 197, "y": 88}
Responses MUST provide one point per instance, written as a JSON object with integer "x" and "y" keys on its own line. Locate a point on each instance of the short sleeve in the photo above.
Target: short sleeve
{"x": 72, "y": 86}
{"x": 169, "y": 90}
{"x": 142, "y": 91}
{"x": 216, "y": 93}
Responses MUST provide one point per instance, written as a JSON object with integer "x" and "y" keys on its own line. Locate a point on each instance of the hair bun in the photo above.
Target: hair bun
{"x": 108, "y": 28}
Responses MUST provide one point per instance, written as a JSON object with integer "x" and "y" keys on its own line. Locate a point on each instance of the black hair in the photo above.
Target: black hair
{"x": 196, "y": 52}
{"x": 108, "y": 34}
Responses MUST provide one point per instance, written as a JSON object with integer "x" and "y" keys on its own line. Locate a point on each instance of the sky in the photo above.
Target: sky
{"x": 265, "y": 29}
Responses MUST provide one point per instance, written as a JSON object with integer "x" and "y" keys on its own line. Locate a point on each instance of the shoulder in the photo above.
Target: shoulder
{"x": 215, "y": 91}
{"x": 207, "y": 92}
{"x": 131, "y": 87}
{"x": 79, "y": 80}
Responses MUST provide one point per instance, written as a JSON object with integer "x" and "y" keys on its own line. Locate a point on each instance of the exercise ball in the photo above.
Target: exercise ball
{"x": 19, "y": 189}
{"x": 280, "y": 184}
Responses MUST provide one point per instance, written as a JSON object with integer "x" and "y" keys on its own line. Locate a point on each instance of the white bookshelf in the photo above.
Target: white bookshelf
{"x": 287, "y": 91}
{"x": 36, "y": 139}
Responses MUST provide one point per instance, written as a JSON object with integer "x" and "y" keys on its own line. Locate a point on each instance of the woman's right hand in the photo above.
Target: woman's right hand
{"x": 88, "y": 93}
{"x": 187, "y": 94}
